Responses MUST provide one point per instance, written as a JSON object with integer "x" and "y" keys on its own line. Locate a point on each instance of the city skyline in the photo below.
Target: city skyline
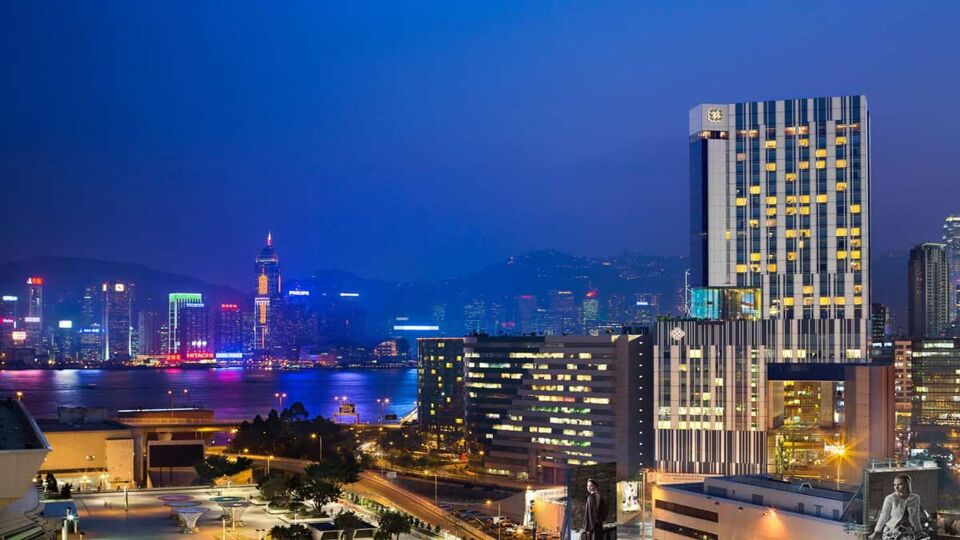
{"x": 404, "y": 192}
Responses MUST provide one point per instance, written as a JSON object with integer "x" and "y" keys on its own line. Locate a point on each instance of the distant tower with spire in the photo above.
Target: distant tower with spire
{"x": 267, "y": 299}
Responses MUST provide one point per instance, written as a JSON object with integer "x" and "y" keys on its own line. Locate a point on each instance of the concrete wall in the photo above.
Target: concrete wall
{"x": 112, "y": 451}
{"x": 737, "y": 520}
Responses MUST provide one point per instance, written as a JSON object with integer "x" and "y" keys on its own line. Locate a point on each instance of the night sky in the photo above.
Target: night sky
{"x": 417, "y": 140}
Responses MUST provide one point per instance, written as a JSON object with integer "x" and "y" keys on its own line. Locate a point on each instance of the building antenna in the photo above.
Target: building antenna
{"x": 686, "y": 293}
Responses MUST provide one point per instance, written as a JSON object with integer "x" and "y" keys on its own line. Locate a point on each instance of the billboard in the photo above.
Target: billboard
{"x": 605, "y": 475}
{"x": 878, "y": 483}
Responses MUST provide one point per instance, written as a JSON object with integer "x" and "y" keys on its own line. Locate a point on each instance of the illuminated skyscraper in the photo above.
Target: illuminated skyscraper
{"x": 33, "y": 319}
{"x": 927, "y": 297}
{"x": 117, "y": 320}
{"x": 440, "y": 391}
{"x": 9, "y": 319}
{"x": 150, "y": 329}
{"x": 193, "y": 336}
{"x": 268, "y": 298}
{"x": 176, "y": 303}
{"x": 230, "y": 329}
{"x": 780, "y": 196}
{"x": 951, "y": 238}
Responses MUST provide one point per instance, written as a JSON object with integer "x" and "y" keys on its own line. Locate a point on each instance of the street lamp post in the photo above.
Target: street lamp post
{"x": 280, "y": 396}
{"x": 320, "y": 438}
{"x": 186, "y": 398}
{"x": 839, "y": 451}
{"x": 19, "y": 395}
{"x": 499, "y": 516}
{"x": 268, "y": 464}
{"x": 170, "y": 399}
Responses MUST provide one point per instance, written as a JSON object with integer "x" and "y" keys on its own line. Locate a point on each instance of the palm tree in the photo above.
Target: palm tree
{"x": 392, "y": 525}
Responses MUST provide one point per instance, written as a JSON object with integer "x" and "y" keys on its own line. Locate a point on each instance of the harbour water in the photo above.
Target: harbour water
{"x": 232, "y": 393}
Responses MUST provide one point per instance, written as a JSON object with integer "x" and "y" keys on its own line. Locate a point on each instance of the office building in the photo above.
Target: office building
{"x": 537, "y": 405}
{"x": 91, "y": 306}
{"x": 936, "y": 395}
{"x": 9, "y": 320}
{"x": 65, "y": 344}
{"x": 951, "y": 241}
{"x": 33, "y": 318}
{"x": 229, "y": 329}
{"x": 927, "y": 295}
{"x": 879, "y": 323}
{"x": 175, "y": 304}
{"x": 267, "y": 299}
{"x": 193, "y": 337}
{"x": 527, "y": 315}
{"x": 779, "y": 191}
{"x": 903, "y": 381}
{"x": 117, "y": 322}
{"x": 150, "y": 328}
{"x": 91, "y": 344}
{"x": 440, "y": 390}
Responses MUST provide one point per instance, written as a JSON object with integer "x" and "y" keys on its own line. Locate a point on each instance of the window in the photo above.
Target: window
{"x": 821, "y": 152}
{"x": 688, "y": 532}
{"x": 841, "y": 164}
{"x": 770, "y": 144}
{"x": 771, "y": 166}
{"x": 685, "y": 510}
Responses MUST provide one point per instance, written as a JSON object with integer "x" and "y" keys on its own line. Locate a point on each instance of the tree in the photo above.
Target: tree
{"x": 293, "y": 532}
{"x": 348, "y": 521}
{"x": 318, "y": 490}
{"x": 282, "y": 490}
{"x": 346, "y": 471}
{"x": 392, "y": 525}
{"x": 218, "y": 466}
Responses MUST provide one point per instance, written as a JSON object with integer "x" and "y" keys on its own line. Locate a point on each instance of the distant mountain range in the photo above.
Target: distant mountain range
{"x": 536, "y": 273}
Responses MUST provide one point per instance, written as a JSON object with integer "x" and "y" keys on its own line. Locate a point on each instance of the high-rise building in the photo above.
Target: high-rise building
{"x": 903, "y": 381}
{"x": 267, "y": 300}
{"x": 590, "y": 313}
{"x": 65, "y": 345}
{"x": 538, "y": 405}
{"x": 117, "y": 320}
{"x": 9, "y": 320}
{"x": 780, "y": 195}
{"x": 879, "y": 322}
{"x": 951, "y": 239}
{"x": 936, "y": 398}
{"x": 33, "y": 318}
{"x": 230, "y": 329}
{"x": 440, "y": 390}
{"x": 710, "y": 395}
{"x": 150, "y": 328}
{"x": 91, "y": 306}
{"x": 928, "y": 283}
{"x": 91, "y": 344}
{"x": 527, "y": 314}
{"x": 175, "y": 304}
{"x": 564, "y": 314}
{"x": 193, "y": 339}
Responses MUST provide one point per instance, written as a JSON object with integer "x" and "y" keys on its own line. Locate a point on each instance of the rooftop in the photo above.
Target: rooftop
{"x": 811, "y": 488}
{"x": 56, "y": 426}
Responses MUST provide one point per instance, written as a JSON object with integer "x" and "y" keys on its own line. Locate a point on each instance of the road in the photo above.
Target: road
{"x": 375, "y": 487}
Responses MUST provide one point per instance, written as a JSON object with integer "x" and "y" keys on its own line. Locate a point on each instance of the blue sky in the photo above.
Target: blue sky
{"x": 416, "y": 140}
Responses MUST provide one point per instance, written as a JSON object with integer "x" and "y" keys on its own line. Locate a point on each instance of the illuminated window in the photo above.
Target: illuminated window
{"x": 741, "y": 268}
{"x": 841, "y": 254}
{"x": 771, "y": 166}
{"x": 771, "y": 200}
{"x": 857, "y": 300}
{"x": 822, "y": 198}
{"x": 805, "y": 199}
{"x": 841, "y": 231}
{"x": 741, "y": 156}
{"x": 741, "y": 201}
{"x": 857, "y": 289}
{"x": 821, "y": 152}
{"x": 855, "y": 231}
{"x": 805, "y": 210}
{"x": 791, "y": 199}
{"x": 841, "y": 164}
{"x": 821, "y": 164}
{"x": 854, "y": 208}
{"x": 808, "y": 289}
{"x": 772, "y": 211}
{"x": 754, "y": 257}
{"x": 771, "y": 267}
{"x": 804, "y": 165}
{"x": 791, "y": 177}
{"x": 803, "y": 130}
{"x": 790, "y": 130}
{"x": 790, "y": 233}
{"x": 754, "y": 223}
{"x": 841, "y": 140}
{"x": 754, "y": 190}
{"x": 791, "y": 255}
{"x": 770, "y": 144}
{"x": 824, "y": 300}
{"x": 803, "y": 142}
{"x": 855, "y": 254}
{"x": 726, "y": 235}
{"x": 788, "y": 301}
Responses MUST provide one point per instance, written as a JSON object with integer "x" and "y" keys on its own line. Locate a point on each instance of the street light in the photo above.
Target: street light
{"x": 383, "y": 403}
{"x": 19, "y": 395}
{"x": 839, "y": 451}
{"x": 499, "y": 517}
{"x": 268, "y": 464}
{"x": 314, "y": 436}
{"x": 280, "y": 396}
{"x": 185, "y": 397}
{"x": 170, "y": 398}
